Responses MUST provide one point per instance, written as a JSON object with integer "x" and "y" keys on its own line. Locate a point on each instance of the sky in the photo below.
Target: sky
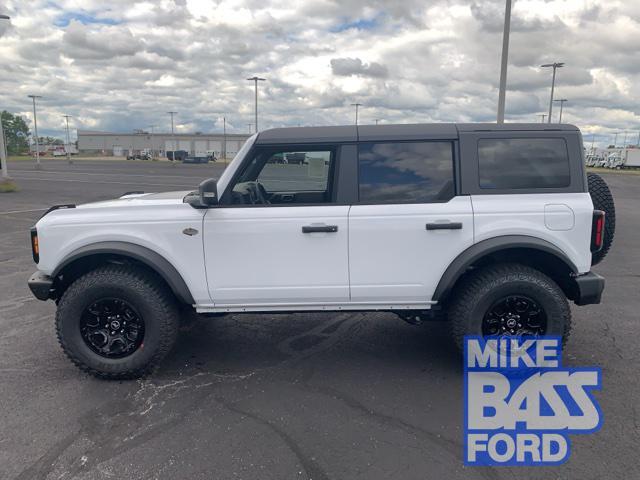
{"x": 120, "y": 65}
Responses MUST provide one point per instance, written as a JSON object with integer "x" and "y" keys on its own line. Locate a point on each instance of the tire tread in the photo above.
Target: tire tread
{"x": 602, "y": 200}
{"x": 164, "y": 303}
{"x": 476, "y": 284}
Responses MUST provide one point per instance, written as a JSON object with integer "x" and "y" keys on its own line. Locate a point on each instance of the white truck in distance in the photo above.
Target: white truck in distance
{"x": 625, "y": 158}
{"x": 494, "y": 227}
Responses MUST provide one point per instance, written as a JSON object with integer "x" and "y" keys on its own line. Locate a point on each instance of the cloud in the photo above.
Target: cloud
{"x": 122, "y": 64}
{"x": 354, "y": 66}
{"x": 82, "y": 42}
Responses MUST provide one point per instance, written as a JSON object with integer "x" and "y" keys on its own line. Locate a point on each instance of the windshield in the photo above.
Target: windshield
{"x": 223, "y": 181}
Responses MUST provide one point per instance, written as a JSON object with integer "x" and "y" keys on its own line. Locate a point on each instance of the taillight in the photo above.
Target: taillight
{"x": 597, "y": 230}
{"x": 35, "y": 248}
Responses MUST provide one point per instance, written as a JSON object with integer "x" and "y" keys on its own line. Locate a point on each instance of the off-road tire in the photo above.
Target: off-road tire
{"x": 602, "y": 200}
{"x": 471, "y": 299}
{"x": 141, "y": 289}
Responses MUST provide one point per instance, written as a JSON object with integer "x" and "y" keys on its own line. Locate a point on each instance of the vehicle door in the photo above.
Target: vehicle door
{"x": 279, "y": 238}
{"x": 408, "y": 224}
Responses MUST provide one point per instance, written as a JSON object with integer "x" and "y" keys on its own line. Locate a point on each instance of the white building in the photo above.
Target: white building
{"x": 198, "y": 144}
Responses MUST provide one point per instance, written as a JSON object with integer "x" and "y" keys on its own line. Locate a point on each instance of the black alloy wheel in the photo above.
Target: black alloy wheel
{"x": 514, "y": 315}
{"x": 112, "y": 328}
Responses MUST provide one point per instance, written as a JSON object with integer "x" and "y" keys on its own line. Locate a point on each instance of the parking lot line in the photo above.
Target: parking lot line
{"x": 101, "y": 174}
{"x": 43, "y": 179}
{"x": 23, "y": 211}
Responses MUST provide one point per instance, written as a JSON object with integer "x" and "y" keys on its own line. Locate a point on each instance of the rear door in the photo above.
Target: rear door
{"x": 408, "y": 224}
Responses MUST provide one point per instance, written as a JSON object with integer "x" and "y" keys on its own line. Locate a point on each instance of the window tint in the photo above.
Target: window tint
{"x": 523, "y": 163}
{"x": 410, "y": 172}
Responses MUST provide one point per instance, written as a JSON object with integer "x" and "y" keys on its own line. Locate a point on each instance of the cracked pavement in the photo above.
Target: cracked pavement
{"x": 295, "y": 396}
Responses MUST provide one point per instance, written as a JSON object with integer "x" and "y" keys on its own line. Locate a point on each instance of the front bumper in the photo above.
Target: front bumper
{"x": 589, "y": 288}
{"x": 41, "y": 285}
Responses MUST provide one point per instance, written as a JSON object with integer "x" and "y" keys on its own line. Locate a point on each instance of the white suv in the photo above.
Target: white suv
{"x": 492, "y": 226}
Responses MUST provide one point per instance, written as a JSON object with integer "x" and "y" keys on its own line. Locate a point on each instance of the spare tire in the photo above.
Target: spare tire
{"x": 602, "y": 200}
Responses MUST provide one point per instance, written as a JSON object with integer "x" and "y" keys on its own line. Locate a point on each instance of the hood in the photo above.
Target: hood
{"x": 141, "y": 199}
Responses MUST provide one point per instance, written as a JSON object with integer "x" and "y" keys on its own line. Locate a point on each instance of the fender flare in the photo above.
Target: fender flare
{"x": 151, "y": 259}
{"x": 475, "y": 252}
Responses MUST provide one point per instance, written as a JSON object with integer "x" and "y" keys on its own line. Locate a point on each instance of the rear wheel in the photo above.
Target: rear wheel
{"x": 117, "y": 322}
{"x": 602, "y": 200}
{"x": 508, "y": 300}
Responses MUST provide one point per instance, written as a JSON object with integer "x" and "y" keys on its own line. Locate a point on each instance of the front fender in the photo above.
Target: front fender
{"x": 139, "y": 253}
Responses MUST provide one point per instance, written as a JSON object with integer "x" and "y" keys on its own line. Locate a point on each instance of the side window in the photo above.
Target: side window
{"x": 519, "y": 163}
{"x": 406, "y": 172}
{"x": 286, "y": 176}
{"x": 296, "y": 171}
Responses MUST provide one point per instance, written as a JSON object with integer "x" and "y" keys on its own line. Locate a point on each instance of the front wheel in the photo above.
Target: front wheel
{"x": 508, "y": 300}
{"x": 117, "y": 322}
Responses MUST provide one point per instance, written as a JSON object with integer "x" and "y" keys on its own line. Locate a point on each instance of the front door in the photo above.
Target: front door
{"x": 408, "y": 225}
{"x": 279, "y": 240}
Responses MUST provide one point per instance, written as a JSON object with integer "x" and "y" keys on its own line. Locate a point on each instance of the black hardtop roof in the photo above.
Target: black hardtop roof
{"x": 387, "y": 132}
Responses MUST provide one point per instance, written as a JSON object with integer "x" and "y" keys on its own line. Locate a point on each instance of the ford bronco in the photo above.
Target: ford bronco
{"x": 491, "y": 227}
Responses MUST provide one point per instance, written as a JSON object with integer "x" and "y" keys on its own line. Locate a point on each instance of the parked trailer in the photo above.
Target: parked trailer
{"x": 179, "y": 155}
{"x": 632, "y": 157}
{"x": 627, "y": 158}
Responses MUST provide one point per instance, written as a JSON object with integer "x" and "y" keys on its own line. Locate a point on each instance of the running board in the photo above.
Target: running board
{"x": 312, "y": 307}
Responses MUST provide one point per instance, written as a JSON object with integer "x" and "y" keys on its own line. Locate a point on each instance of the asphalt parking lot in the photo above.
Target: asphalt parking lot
{"x": 321, "y": 396}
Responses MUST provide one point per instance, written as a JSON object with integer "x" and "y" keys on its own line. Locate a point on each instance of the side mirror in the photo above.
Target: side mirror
{"x": 208, "y": 192}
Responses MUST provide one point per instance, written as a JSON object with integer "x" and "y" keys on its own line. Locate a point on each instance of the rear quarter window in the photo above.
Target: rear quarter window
{"x": 523, "y": 163}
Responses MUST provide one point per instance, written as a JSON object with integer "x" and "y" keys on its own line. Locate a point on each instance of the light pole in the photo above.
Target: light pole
{"x": 357, "y": 105}
{"x": 542, "y": 115}
{"x": 153, "y": 151}
{"x": 35, "y": 126}
{"x": 3, "y": 154}
{"x": 3, "y": 147}
{"x": 503, "y": 64}
{"x": 224, "y": 139}
{"x": 561, "y": 100}
{"x": 256, "y": 80}
{"x": 377, "y": 120}
{"x": 615, "y": 139}
{"x": 173, "y": 139}
{"x": 250, "y": 125}
{"x": 67, "y": 147}
{"x": 555, "y": 66}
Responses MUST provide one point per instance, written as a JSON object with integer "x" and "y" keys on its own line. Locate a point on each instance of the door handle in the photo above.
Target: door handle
{"x": 445, "y": 226}
{"x": 319, "y": 228}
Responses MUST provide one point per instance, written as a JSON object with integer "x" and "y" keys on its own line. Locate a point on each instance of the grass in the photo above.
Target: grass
{"x": 7, "y": 186}
{"x": 81, "y": 158}
{"x": 45, "y": 159}
{"x": 613, "y": 171}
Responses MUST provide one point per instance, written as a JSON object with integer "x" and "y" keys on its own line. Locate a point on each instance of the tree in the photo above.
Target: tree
{"x": 16, "y": 133}
{"x": 50, "y": 141}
